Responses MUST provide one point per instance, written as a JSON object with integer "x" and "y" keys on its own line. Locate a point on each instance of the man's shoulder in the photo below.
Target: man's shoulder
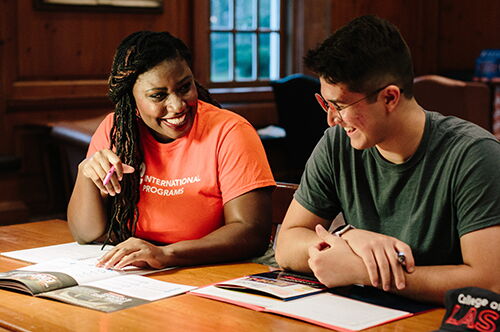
{"x": 457, "y": 129}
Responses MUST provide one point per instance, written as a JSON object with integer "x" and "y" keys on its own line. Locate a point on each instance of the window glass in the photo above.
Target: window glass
{"x": 251, "y": 50}
{"x": 269, "y": 14}
{"x": 245, "y": 54}
{"x": 246, "y": 14}
{"x": 221, "y": 68}
{"x": 221, "y": 14}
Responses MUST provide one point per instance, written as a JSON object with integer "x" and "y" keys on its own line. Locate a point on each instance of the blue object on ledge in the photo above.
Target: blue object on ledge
{"x": 488, "y": 66}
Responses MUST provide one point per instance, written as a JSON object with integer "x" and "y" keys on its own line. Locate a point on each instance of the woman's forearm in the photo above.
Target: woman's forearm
{"x": 234, "y": 241}
{"x": 86, "y": 211}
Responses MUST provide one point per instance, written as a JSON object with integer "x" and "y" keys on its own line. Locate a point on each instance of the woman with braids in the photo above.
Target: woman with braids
{"x": 191, "y": 183}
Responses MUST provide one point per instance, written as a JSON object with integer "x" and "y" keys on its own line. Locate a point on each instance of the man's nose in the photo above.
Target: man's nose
{"x": 333, "y": 118}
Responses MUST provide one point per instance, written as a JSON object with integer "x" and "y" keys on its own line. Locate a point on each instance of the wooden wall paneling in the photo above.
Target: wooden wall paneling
{"x": 254, "y": 104}
{"x": 311, "y": 24}
{"x": 71, "y": 52}
{"x": 417, "y": 21}
{"x": 466, "y": 28}
{"x": 3, "y": 79}
{"x": 8, "y": 24}
{"x": 200, "y": 41}
{"x": 259, "y": 114}
{"x": 70, "y": 44}
{"x": 54, "y": 66}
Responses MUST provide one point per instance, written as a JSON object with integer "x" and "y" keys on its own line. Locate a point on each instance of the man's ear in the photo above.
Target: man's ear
{"x": 391, "y": 96}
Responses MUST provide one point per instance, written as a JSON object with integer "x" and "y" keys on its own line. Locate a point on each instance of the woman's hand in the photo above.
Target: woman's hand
{"x": 97, "y": 167}
{"x": 380, "y": 255}
{"x": 135, "y": 252}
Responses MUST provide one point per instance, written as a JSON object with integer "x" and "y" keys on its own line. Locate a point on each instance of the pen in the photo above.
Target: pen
{"x": 108, "y": 176}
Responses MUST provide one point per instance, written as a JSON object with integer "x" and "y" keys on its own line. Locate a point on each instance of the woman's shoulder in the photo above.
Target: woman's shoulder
{"x": 106, "y": 123}
{"x": 219, "y": 116}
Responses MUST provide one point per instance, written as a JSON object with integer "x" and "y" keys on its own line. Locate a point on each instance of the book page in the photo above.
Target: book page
{"x": 93, "y": 298}
{"x": 67, "y": 250}
{"x": 251, "y": 301}
{"x": 117, "y": 293}
{"x": 331, "y": 310}
{"x": 278, "y": 288}
{"x": 84, "y": 271}
{"x": 34, "y": 282}
{"x": 141, "y": 287}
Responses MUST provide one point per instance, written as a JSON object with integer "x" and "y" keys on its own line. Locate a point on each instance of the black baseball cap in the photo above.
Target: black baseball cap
{"x": 471, "y": 309}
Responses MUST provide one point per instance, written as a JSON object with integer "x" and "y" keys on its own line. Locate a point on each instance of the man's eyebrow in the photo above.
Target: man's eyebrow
{"x": 335, "y": 101}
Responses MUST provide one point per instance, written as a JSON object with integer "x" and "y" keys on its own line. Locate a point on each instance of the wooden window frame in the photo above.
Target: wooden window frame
{"x": 201, "y": 51}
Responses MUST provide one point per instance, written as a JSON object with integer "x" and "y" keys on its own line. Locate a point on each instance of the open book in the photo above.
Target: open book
{"x": 346, "y": 309}
{"x": 280, "y": 284}
{"x": 81, "y": 282}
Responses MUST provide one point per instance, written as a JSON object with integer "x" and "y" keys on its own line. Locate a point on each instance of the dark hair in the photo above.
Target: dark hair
{"x": 365, "y": 54}
{"x": 136, "y": 54}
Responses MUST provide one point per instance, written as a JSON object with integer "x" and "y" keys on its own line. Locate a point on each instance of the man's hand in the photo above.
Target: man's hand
{"x": 380, "y": 256}
{"x": 334, "y": 263}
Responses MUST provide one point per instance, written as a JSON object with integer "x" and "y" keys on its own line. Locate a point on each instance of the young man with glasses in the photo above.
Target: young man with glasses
{"x": 420, "y": 192}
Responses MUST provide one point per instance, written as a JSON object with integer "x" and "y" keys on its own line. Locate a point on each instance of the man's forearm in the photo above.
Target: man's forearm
{"x": 430, "y": 283}
{"x": 292, "y": 248}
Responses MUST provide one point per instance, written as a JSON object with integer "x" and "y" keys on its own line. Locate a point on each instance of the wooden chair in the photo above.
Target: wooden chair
{"x": 282, "y": 197}
{"x": 470, "y": 101}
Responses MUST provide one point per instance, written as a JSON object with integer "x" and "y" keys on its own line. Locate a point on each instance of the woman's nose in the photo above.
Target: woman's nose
{"x": 175, "y": 104}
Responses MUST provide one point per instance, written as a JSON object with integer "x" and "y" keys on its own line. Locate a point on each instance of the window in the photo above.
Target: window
{"x": 244, "y": 41}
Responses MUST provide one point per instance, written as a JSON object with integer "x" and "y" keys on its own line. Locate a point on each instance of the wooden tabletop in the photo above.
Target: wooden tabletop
{"x": 20, "y": 312}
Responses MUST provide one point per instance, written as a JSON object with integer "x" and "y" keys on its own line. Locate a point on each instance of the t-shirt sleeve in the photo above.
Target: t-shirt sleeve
{"x": 243, "y": 164}
{"x": 100, "y": 139}
{"x": 477, "y": 192}
{"x": 317, "y": 191}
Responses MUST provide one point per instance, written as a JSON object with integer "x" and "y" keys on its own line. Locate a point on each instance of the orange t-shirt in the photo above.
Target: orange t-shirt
{"x": 185, "y": 183}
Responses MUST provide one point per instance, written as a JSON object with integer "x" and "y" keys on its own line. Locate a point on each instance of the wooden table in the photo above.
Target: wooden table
{"x": 20, "y": 312}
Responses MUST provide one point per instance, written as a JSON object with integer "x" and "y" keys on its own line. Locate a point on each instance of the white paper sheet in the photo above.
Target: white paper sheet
{"x": 324, "y": 309}
{"x": 71, "y": 250}
{"x": 337, "y": 311}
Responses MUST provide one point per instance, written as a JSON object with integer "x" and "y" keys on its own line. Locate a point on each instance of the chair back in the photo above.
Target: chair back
{"x": 281, "y": 199}
{"x": 470, "y": 101}
{"x": 302, "y": 118}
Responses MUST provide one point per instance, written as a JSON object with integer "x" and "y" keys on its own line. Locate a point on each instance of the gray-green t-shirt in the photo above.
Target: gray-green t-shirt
{"x": 449, "y": 187}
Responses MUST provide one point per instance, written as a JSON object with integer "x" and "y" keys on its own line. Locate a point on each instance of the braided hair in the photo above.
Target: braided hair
{"x": 136, "y": 54}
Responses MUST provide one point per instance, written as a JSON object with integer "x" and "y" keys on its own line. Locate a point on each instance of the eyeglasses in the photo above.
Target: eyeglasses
{"x": 327, "y": 105}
